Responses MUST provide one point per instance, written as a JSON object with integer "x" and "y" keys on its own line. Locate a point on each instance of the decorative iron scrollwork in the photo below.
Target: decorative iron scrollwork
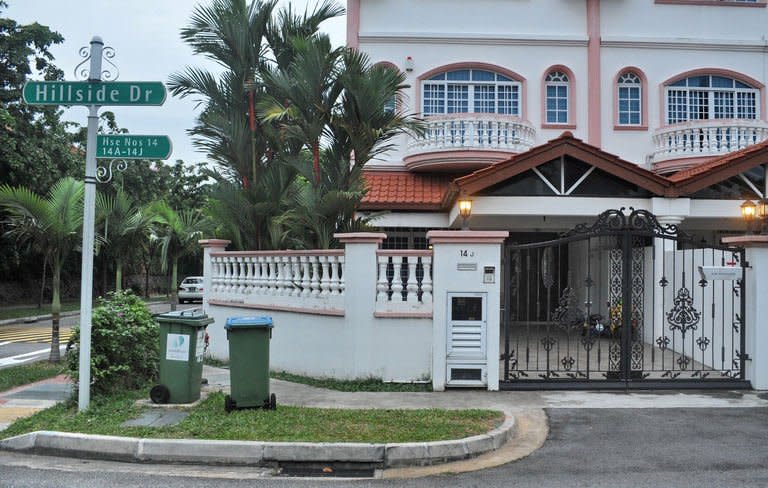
{"x": 683, "y": 316}
{"x": 663, "y": 342}
{"x": 703, "y": 343}
{"x": 567, "y": 362}
{"x": 548, "y": 342}
{"x": 683, "y": 362}
{"x": 566, "y": 314}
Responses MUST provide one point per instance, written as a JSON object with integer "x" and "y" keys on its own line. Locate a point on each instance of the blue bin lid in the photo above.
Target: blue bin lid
{"x": 248, "y": 322}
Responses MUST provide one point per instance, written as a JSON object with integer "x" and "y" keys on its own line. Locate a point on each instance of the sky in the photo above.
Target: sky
{"x": 148, "y": 47}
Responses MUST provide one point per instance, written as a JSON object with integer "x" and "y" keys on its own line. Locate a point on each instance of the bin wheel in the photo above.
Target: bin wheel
{"x": 272, "y": 402}
{"x": 160, "y": 394}
{"x": 229, "y": 404}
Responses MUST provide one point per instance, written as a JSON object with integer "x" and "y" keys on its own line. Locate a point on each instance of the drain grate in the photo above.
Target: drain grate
{"x": 326, "y": 470}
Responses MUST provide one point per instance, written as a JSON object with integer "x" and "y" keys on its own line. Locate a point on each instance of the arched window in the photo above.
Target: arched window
{"x": 629, "y": 100}
{"x": 471, "y": 91}
{"x": 703, "y": 97}
{"x": 557, "y": 93}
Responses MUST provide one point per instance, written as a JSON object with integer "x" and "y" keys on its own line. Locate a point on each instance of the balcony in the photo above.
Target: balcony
{"x": 676, "y": 146}
{"x": 466, "y": 141}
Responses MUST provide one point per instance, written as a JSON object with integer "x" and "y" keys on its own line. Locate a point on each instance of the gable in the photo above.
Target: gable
{"x": 610, "y": 175}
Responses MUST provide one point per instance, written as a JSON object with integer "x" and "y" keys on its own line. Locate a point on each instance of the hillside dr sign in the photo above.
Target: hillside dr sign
{"x": 94, "y": 93}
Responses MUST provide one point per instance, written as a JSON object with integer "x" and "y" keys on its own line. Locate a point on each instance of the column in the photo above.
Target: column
{"x": 466, "y": 262}
{"x": 755, "y": 293}
{"x": 210, "y": 246}
{"x": 360, "y": 298}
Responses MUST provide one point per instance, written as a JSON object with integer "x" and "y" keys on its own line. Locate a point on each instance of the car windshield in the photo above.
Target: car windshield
{"x": 192, "y": 281}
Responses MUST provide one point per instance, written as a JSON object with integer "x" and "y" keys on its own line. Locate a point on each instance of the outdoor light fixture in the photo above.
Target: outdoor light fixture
{"x": 755, "y": 215}
{"x": 465, "y": 210}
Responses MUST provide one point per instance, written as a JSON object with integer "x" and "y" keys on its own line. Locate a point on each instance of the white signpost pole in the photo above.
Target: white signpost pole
{"x": 89, "y": 220}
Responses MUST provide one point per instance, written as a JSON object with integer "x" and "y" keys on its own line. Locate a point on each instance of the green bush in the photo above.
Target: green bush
{"x": 124, "y": 344}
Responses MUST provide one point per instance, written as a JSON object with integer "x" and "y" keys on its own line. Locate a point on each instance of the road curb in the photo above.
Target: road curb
{"x": 36, "y": 318}
{"x": 255, "y": 453}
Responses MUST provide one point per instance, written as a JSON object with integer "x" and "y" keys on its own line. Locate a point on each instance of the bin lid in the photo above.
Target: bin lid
{"x": 249, "y": 322}
{"x": 192, "y": 316}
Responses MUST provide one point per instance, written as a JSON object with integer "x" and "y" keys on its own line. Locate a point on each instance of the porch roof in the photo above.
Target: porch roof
{"x": 719, "y": 169}
{"x": 402, "y": 190}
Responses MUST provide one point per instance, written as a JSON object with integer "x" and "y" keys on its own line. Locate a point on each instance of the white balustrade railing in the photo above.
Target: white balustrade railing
{"x": 474, "y": 131}
{"x": 291, "y": 279}
{"x": 404, "y": 281}
{"x": 707, "y": 138}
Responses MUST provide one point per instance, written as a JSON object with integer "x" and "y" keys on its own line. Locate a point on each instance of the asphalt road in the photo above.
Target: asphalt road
{"x": 638, "y": 448}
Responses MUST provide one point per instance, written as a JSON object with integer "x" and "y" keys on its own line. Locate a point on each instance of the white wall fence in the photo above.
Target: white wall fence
{"x": 338, "y": 313}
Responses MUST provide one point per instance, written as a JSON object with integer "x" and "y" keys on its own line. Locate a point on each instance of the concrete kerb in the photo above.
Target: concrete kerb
{"x": 258, "y": 453}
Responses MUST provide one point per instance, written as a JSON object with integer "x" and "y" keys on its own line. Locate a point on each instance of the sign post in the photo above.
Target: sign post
{"x": 94, "y": 93}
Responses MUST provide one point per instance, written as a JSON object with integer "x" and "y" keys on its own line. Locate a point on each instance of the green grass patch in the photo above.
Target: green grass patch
{"x": 34, "y": 311}
{"x": 361, "y": 384}
{"x": 208, "y": 420}
{"x": 28, "y": 373}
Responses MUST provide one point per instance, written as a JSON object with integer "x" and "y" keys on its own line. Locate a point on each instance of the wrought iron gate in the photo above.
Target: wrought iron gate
{"x": 623, "y": 303}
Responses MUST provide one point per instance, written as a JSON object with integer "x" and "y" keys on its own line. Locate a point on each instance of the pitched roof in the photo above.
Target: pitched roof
{"x": 401, "y": 190}
{"x": 568, "y": 145}
{"x": 719, "y": 169}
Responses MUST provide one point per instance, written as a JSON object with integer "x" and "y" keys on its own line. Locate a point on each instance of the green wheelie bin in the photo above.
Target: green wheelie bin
{"x": 182, "y": 340}
{"x": 249, "y": 363}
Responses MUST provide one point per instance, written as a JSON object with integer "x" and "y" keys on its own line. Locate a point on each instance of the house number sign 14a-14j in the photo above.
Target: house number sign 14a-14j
{"x": 125, "y": 146}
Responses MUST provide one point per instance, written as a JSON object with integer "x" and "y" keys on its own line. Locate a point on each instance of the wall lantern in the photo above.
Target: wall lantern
{"x": 755, "y": 215}
{"x": 465, "y": 210}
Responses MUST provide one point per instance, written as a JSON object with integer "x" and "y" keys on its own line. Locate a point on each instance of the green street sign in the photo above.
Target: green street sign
{"x": 131, "y": 146}
{"x": 96, "y": 93}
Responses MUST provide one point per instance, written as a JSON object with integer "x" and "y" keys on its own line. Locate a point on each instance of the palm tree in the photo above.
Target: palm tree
{"x": 177, "y": 234}
{"x": 52, "y": 226}
{"x": 124, "y": 227}
{"x": 302, "y": 96}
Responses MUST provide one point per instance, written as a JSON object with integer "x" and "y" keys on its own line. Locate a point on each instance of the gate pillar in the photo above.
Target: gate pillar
{"x": 465, "y": 263}
{"x": 756, "y": 291}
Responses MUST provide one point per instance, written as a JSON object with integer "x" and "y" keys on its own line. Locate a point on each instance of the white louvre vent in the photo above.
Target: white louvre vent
{"x": 467, "y": 340}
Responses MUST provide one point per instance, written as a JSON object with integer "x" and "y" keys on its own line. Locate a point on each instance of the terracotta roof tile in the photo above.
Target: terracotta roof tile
{"x": 718, "y": 162}
{"x": 404, "y": 190}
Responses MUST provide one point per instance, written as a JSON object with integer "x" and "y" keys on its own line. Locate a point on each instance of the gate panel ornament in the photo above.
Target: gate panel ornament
{"x": 579, "y": 309}
{"x": 683, "y": 316}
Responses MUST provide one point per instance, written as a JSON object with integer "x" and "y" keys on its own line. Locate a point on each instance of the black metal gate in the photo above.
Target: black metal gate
{"x": 623, "y": 303}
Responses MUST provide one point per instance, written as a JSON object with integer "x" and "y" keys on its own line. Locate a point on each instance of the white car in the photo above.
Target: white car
{"x": 191, "y": 288}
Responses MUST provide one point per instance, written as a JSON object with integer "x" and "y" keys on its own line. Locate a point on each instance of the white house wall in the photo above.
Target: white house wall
{"x": 394, "y": 349}
{"x": 527, "y": 37}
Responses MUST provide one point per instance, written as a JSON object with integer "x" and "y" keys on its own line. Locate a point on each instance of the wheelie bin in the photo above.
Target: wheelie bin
{"x": 182, "y": 340}
{"x": 248, "y": 339}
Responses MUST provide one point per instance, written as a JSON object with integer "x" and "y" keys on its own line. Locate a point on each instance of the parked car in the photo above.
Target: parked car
{"x": 191, "y": 288}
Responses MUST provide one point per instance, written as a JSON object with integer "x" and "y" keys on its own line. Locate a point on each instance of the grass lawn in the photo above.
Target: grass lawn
{"x": 362, "y": 384}
{"x": 208, "y": 420}
{"x": 28, "y": 373}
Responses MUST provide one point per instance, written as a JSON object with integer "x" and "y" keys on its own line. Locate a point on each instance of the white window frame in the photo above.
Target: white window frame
{"x": 631, "y": 81}
{"x": 688, "y": 91}
{"x": 557, "y": 78}
{"x": 513, "y": 101}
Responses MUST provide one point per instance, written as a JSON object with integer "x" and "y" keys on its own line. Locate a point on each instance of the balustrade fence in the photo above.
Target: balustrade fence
{"x": 707, "y": 138}
{"x": 404, "y": 282}
{"x": 295, "y": 279}
{"x": 315, "y": 280}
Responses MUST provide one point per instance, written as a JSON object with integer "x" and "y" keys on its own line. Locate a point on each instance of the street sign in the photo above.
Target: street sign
{"x": 94, "y": 93}
{"x": 131, "y": 146}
